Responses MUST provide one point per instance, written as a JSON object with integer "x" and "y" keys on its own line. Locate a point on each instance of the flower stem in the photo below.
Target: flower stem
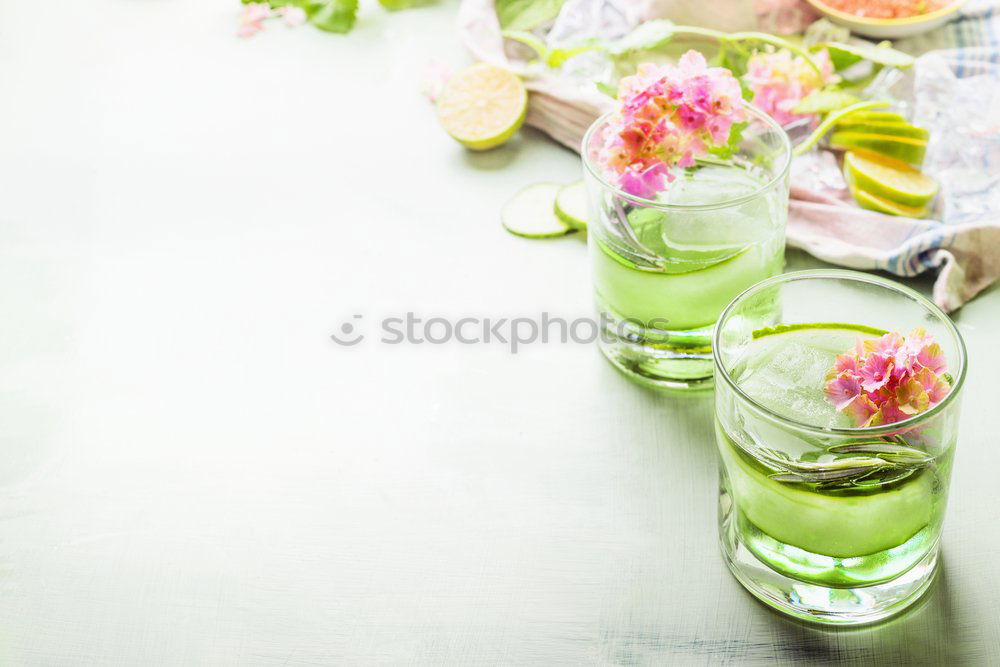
{"x": 748, "y": 36}
{"x": 830, "y": 121}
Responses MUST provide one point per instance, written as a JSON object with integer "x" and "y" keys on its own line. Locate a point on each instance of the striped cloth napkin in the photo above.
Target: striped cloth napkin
{"x": 953, "y": 90}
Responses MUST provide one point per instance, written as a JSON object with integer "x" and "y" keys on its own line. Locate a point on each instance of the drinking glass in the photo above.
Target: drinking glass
{"x": 820, "y": 518}
{"x": 664, "y": 269}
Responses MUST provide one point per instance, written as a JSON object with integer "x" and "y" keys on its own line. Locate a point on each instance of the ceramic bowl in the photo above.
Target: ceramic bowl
{"x": 889, "y": 28}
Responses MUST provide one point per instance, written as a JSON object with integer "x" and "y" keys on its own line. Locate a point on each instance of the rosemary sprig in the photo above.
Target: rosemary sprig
{"x": 866, "y": 464}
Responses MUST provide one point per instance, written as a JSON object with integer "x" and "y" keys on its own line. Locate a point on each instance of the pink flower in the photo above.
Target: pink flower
{"x": 846, "y": 363}
{"x": 843, "y": 389}
{"x": 644, "y": 182}
{"x": 864, "y": 411}
{"x": 293, "y": 16}
{"x": 252, "y": 18}
{"x": 933, "y": 384}
{"x": 932, "y": 357}
{"x": 876, "y": 372}
{"x": 911, "y": 397}
{"x": 888, "y": 345}
{"x": 668, "y": 116}
{"x": 779, "y": 81}
{"x": 436, "y": 74}
{"x": 888, "y": 379}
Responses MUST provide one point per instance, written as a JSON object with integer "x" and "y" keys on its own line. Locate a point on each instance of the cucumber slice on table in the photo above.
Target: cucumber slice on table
{"x": 571, "y": 205}
{"x": 531, "y": 213}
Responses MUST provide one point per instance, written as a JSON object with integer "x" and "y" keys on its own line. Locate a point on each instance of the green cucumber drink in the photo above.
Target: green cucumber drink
{"x": 821, "y": 515}
{"x": 664, "y": 268}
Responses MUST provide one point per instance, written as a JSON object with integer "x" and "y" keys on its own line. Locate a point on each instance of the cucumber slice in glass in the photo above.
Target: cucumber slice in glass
{"x": 571, "y": 205}
{"x": 531, "y": 213}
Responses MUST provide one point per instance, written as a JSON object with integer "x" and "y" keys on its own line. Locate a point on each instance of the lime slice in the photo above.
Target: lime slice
{"x": 818, "y": 326}
{"x": 890, "y": 129}
{"x": 873, "y": 116}
{"x": 482, "y": 106}
{"x": 906, "y": 149}
{"x": 530, "y": 213}
{"x": 889, "y": 179}
{"x": 875, "y": 203}
{"x": 571, "y": 205}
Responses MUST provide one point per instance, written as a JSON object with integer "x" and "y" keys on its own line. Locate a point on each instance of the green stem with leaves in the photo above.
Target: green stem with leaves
{"x": 749, "y": 36}
{"x": 831, "y": 120}
{"x": 727, "y": 38}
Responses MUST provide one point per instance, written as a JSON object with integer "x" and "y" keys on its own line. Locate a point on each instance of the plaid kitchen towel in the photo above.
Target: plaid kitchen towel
{"x": 953, "y": 90}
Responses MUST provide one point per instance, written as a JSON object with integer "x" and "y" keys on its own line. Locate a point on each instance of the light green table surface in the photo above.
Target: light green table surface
{"x": 193, "y": 473}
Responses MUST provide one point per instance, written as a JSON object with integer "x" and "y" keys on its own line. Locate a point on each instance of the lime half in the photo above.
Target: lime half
{"x": 482, "y": 106}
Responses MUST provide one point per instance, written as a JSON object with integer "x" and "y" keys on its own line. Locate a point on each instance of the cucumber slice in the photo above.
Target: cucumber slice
{"x": 571, "y": 205}
{"x": 835, "y": 526}
{"x": 530, "y": 213}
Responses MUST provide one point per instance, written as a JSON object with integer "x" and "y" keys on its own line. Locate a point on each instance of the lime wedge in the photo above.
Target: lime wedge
{"x": 906, "y": 149}
{"x": 875, "y": 203}
{"x": 482, "y": 106}
{"x": 889, "y": 179}
{"x": 571, "y": 205}
{"x": 875, "y": 116}
{"x": 891, "y": 129}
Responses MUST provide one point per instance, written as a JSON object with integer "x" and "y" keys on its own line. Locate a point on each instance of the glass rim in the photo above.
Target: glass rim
{"x": 652, "y": 203}
{"x": 855, "y": 276}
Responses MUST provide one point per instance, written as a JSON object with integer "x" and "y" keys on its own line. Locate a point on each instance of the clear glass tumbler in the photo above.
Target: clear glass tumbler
{"x": 664, "y": 269}
{"x": 818, "y": 517}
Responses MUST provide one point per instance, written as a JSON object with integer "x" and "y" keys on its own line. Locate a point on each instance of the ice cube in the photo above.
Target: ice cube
{"x": 787, "y": 375}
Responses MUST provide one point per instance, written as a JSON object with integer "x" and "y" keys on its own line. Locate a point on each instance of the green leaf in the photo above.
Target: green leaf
{"x": 275, "y": 4}
{"x": 529, "y": 39}
{"x": 397, "y": 5}
{"x": 824, "y": 30}
{"x": 607, "y": 89}
{"x": 648, "y": 35}
{"x": 526, "y": 14}
{"x": 844, "y": 55}
{"x": 824, "y": 101}
{"x": 735, "y": 136}
{"x": 332, "y": 15}
{"x": 557, "y": 57}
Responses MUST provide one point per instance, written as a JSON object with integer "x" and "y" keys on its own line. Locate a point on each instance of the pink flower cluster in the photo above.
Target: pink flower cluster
{"x": 255, "y": 13}
{"x": 668, "y": 116}
{"x": 779, "y": 81}
{"x": 888, "y": 379}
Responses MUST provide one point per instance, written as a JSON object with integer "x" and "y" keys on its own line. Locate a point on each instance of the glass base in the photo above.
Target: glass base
{"x": 672, "y": 360}
{"x": 812, "y": 602}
